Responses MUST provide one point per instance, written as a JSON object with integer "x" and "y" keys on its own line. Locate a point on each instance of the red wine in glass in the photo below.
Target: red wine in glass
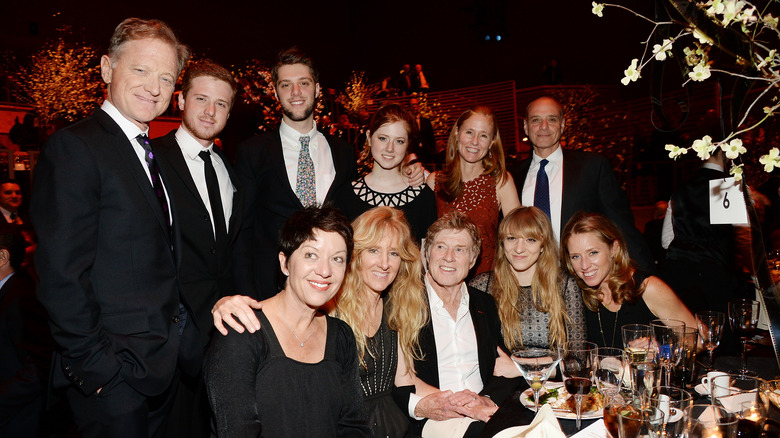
{"x": 578, "y": 385}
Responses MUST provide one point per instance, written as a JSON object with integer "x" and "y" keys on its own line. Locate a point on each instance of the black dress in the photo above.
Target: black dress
{"x": 255, "y": 390}
{"x": 417, "y": 203}
{"x": 381, "y": 358}
{"x": 608, "y": 333}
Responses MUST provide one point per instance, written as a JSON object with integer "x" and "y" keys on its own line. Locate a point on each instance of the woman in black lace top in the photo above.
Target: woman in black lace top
{"x": 384, "y": 302}
{"x": 390, "y": 132}
{"x": 539, "y": 305}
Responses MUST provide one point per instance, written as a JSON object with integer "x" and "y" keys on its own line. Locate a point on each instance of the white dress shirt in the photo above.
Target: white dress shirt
{"x": 456, "y": 346}
{"x": 132, "y": 131}
{"x": 319, "y": 149}
{"x": 554, "y": 171}
{"x": 190, "y": 149}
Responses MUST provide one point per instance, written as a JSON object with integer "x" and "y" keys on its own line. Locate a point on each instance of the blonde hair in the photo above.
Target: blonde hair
{"x": 621, "y": 281}
{"x": 406, "y": 306}
{"x": 450, "y": 178}
{"x": 529, "y": 222}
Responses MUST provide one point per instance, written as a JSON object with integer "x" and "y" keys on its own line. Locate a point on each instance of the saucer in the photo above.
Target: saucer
{"x": 701, "y": 389}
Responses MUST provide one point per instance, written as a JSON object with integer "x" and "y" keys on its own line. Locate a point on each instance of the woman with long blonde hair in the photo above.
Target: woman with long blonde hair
{"x": 474, "y": 179}
{"x": 539, "y": 305}
{"x": 383, "y": 300}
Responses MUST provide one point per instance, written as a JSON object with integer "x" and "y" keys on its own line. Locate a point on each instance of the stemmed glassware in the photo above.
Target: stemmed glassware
{"x": 672, "y": 401}
{"x": 636, "y": 341}
{"x": 536, "y": 365}
{"x": 743, "y": 318}
{"x": 577, "y": 367}
{"x": 710, "y": 329}
{"x": 667, "y": 337}
{"x": 610, "y": 368}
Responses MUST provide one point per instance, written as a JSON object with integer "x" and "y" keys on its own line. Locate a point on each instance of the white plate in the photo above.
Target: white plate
{"x": 701, "y": 389}
{"x": 559, "y": 413}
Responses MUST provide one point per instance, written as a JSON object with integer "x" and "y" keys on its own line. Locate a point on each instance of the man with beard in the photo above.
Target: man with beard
{"x": 284, "y": 171}
{"x": 203, "y": 187}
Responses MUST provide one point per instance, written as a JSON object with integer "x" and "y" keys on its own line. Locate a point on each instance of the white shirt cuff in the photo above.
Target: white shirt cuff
{"x": 413, "y": 400}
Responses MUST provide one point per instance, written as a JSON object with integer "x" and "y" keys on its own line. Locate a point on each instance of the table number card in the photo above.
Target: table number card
{"x": 727, "y": 202}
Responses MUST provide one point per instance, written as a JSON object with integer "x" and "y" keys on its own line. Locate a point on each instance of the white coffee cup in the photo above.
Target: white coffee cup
{"x": 707, "y": 380}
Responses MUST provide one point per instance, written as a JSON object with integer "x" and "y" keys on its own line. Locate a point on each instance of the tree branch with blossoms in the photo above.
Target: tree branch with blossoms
{"x": 761, "y": 67}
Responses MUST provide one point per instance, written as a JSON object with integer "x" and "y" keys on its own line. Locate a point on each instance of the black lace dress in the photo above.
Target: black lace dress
{"x": 417, "y": 203}
{"x": 376, "y": 379}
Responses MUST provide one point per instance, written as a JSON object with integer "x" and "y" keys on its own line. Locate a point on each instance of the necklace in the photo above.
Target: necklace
{"x": 296, "y": 336}
{"x": 601, "y": 329}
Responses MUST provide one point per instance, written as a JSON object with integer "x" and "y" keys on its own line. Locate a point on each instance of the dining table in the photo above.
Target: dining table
{"x": 513, "y": 413}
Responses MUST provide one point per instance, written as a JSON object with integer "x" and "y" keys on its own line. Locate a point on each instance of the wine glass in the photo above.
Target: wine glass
{"x": 636, "y": 341}
{"x": 710, "y": 329}
{"x": 743, "y": 318}
{"x": 667, "y": 337}
{"x": 577, "y": 366}
{"x": 536, "y": 365}
{"x": 672, "y": 401}
{"x": 610, "y": 368}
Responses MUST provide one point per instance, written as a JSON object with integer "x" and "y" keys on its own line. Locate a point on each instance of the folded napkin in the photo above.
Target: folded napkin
{"x": 545, "y": 425}
{"x": 454, "y": 427}
{"x": 733, "y": 403}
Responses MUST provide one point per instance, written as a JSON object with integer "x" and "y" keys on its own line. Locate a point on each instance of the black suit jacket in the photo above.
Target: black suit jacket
{"x": 105, "y": 259}
{"x": 487, "y": 327}
{"x": 589, "y": 184}
{"x": 204, "y": 265}
{"x": 268, "y": 202}
{"x": 25, "y": 348}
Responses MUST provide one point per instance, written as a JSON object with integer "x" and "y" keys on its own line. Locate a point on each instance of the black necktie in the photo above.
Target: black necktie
{"x": 154, "y": 172}
{"x": 212, "y": 184}
{"x": 542, "y": 192}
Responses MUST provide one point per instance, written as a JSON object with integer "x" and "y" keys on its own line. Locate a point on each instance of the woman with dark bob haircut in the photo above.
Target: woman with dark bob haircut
{"x": 297, "y": 375}
{"x": 614, "y": 290}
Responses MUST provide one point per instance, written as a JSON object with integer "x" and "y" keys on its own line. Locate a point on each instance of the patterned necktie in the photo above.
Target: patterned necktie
{"x": 215, "y": 200}
{"x": 154, "y": 172}
{"x": 305, "y": 188}
{"x": 542, "y": 191}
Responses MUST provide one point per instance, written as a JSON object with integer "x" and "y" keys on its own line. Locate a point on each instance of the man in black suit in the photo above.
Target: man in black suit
{"x": 10, "y": 201}
{"x": 190, "y": 160}
{"x": 461, "y": 339}
{"x": 268, "y": 166}
{"x": 25, "y": 343}
{"x": 106, "y": 253}
{"x": 577, "y": 180}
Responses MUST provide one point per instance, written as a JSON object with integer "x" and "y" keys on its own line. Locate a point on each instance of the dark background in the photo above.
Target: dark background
{"x": 447, "y": 38}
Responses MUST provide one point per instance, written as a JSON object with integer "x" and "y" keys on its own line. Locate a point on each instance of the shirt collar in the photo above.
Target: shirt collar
{"x": 292, "y": 136}
{"x": 189, "y": 145}
{"x": 129, "y": 128}
{"x": 555, "y": 158}
{"x": 712, "y": 166}
{"x": 437, "y": 303}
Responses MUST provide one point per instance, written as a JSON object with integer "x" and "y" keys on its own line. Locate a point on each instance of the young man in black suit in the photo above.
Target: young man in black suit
{"x": 208, "y": 223}
{"x": 106, "y": 250}
{"x": 576, "y": 180}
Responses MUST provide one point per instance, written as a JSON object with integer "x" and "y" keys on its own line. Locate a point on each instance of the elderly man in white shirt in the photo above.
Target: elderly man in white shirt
{"x": 461, "y": 341}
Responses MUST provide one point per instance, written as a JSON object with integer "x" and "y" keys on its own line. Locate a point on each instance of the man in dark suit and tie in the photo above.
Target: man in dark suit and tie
{"x": 283, "y": 171}
{"x": 563, "y": 182}
{"x": 106, "y": 253}
{"x": 203, "y": 187}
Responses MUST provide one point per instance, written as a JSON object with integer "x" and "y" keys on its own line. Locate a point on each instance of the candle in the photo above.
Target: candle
{"x": 712, "y": 433}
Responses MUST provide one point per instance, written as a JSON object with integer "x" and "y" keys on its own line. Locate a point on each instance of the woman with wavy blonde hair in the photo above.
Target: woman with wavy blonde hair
{"x": 474, "y": 179}
{"x": 539, "y": 305}
{"x": 614, "y": 290}
{"x": 383, "y": 300}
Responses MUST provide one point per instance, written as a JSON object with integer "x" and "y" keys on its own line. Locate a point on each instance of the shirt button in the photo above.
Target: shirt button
{"x": 213, "y": 250}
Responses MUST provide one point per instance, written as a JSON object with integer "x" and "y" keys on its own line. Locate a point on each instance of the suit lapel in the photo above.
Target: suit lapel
{"x": 277, "y": 156}
{"x": 172, "y": 151}
{"x": 235, "y": 217}
{"x": 337, "y": 152}
{"x": 569, "y": 190}
{"x": 127, "y": 155}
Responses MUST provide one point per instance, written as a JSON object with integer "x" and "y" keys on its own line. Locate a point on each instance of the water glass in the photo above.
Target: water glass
{"x": 667, "y": 340}
{"x": 685, "y": 369}
{"x": 672, "y": 401}
{"x": 732, "y": 390}
{"x": 645, "y": 376}
{"x": 610, "y": 368}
